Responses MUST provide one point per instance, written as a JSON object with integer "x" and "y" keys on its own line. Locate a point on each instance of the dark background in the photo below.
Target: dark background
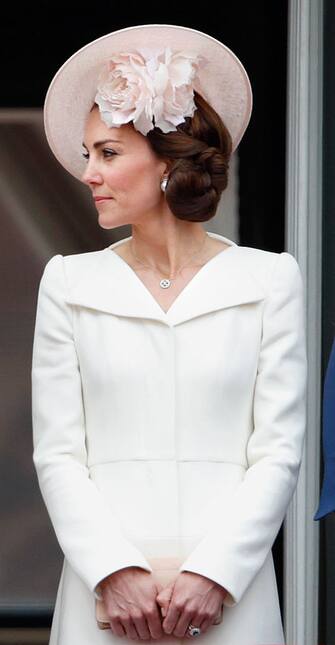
{"x": 37, "y": 38}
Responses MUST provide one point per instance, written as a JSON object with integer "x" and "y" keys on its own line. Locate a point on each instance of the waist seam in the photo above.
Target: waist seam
{"x": 146, "y": 460}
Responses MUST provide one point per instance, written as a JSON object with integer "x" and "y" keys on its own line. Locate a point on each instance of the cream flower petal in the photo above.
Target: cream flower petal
{"x": 158, "y": 107}
{"x": 165, "y": 126}
{"x": 150, "y": 87}
{"x": 161, "y": 79}
{"x": 143, "y": 122}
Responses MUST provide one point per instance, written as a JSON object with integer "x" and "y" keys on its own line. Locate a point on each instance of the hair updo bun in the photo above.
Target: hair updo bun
{"x": 199, "y": 152}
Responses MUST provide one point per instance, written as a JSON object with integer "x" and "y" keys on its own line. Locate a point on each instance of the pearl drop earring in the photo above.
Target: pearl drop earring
{"x": 163, "y": 184}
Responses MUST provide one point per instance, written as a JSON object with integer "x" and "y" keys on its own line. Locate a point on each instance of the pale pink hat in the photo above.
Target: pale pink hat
{"x": 223, "y": 82}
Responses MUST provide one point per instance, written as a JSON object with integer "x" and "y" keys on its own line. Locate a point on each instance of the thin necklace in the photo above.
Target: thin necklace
{"x": 166, "y": 282}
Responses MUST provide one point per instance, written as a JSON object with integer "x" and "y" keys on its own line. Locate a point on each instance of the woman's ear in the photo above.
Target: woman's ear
{"x": 169, "y": 163}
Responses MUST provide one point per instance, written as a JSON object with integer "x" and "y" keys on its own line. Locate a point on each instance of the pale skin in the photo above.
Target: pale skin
{"x": 122, "y": 167}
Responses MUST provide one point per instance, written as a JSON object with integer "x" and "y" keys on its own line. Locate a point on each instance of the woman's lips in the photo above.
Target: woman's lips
{"x": 101, "y": 199}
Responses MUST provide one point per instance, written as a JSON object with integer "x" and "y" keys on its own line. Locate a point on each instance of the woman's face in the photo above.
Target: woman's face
{"x": 124, "y": 170}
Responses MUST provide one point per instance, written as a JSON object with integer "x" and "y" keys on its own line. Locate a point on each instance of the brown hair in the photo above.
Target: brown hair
{"x": 199, "y": 152}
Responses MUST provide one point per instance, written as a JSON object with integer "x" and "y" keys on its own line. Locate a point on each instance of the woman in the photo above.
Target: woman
{"x": 169, "y": 369}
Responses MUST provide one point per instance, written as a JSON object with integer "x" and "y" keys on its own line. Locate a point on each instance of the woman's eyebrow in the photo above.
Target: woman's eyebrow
{"x": 101, "y": 143}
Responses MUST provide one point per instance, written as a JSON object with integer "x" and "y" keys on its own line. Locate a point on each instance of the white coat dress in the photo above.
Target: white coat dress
{"x": 170, "y": 435}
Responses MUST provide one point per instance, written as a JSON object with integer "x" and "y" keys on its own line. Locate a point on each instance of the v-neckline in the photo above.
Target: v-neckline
{"x": 190, "y": 283}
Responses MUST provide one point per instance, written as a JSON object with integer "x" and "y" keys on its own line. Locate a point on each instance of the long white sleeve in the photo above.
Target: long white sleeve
{"x": 87, "y": 532}
{"x": 236, "y": 545}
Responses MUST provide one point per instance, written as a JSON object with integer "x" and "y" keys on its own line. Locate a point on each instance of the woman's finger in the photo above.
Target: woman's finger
{"x": 185, "y": 619}
{"x": 171, "y": 618}
{"x": 154, "y": 622}
{"x": 206, "y": 623}
{"x": 142, "y": 627}
{"x": 116, "y": 627}
{"x": 163, "y": 599}
{"x": 218, "y": 618}
{"x": 130, "y": 628}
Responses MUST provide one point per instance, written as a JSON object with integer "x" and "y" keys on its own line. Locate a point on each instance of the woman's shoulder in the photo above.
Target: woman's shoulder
{"x": 75, "y": 267}
{"x": 262, "y": 256}
{"x": 256, "y": 256}
{"x": 267, "y": 266}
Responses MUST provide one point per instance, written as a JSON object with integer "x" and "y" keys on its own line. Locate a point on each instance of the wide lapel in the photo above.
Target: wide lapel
{"x": 224, "y": 282}
{"x": 102, "y": 280}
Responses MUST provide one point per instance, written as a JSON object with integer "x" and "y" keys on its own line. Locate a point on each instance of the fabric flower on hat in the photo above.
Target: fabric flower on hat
{"x": 149, "y": 88}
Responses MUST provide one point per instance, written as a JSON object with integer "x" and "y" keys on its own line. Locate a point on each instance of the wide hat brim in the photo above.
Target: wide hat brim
{"x": 223, "y": 82}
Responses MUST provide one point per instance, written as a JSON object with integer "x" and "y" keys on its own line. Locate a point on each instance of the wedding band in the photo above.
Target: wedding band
{"x": 193, "y": 630}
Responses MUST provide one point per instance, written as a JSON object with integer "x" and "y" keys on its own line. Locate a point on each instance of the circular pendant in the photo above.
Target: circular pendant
{"x": 165, "y": 283}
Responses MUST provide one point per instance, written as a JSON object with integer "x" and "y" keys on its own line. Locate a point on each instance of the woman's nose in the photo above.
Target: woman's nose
{"x": 91, "y": 175}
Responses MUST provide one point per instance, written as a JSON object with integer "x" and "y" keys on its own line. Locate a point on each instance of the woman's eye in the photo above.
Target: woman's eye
{"x": 108, "y": 153}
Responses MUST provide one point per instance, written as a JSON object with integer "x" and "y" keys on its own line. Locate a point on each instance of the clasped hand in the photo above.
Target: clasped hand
{"x": 136, "y": 604}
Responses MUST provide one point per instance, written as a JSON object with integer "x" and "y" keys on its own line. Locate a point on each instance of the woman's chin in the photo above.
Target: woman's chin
{"x": 107, "y": 222}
